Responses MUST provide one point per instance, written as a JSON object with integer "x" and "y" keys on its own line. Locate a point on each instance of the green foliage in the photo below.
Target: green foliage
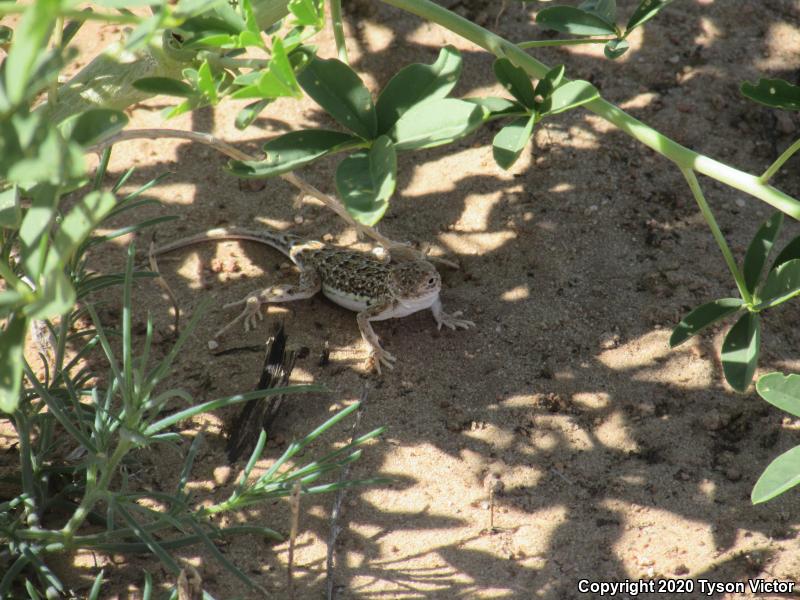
{"x": 783, "y": 472}
{"x": 415, "y": 84}
{"x": 775, "y": 93}
{"x": 740, "y": 349}
{"x": 598, "y": 18}
{"x": 366, "y": 180}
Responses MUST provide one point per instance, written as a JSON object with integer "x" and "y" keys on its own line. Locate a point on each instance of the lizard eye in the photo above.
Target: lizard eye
{"x": 431, "y": 281}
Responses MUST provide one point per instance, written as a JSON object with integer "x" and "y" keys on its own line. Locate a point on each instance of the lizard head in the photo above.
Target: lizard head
{"x": 415, "y": 279}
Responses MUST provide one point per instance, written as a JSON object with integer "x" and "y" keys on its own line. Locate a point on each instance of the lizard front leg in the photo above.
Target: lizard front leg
{"x": 451, "y": 321}
{"x": 308, "y": 285}
{"x": 377, "y": 354}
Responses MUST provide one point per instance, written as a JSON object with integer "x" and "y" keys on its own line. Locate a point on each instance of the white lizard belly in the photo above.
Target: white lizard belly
{"x": 403, "y": 308}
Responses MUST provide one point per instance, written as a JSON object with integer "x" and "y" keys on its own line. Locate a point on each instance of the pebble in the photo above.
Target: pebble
{"x": 298, "y": 219}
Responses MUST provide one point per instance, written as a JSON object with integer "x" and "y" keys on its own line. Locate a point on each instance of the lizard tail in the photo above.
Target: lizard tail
{"x": 282, "y": 242}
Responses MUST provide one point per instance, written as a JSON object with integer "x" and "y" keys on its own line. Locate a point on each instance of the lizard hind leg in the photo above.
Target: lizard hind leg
{"x": 378, "y": 356}
{"x": 308, "y": 285}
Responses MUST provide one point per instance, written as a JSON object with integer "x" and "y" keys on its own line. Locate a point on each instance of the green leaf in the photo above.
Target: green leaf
{"x": 307, "y": 13}
{"x": 757, "y": 252}
{"x": 366, "y": 180}
{"x": 206, "y": 83}
{"x": 549, "y": 82}
{"x": 568, "y": 96}
{"x": 781, "y": 474}
{"x": 250, "y": 113}
{"x": 275, "y": 82}
{"x": 165, "y": 86}
{"x": 10, "y": 213}
{"x": 740, "y": 351}
{"x": 93, "y": 125}
{"x": 615, "y": 48}
{"x": 776, "y": 93}
{"x": 790, "y": 251}
{"x": 30, "y": 39}
{"x": 782, "y": 284}
{"x": 511, "y": 140}
{"x": 336, "y": 88}
{"x": 76, "y": 227}
{"x": 568, "y": 19}
{"x": 781, "y": 390}
{"x": 417, "y": 83}
{"x": 646, "y": 10}
{"x": 436, "y": 122}
{"x": 293, "y": 150}
{"x": 604, "y": 9}
{"x": 12, "y": 344}
{"x": 515, "y": 80}
{"x": 498, "y": 107}
{"x": 702, "y": 317}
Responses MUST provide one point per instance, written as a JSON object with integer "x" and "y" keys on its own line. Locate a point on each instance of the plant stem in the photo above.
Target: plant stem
{"x": 683, "y": 157}
{"x": 338, "y": 30}
{"x": 774, "y": 167}
{"x": 570, "y": 42}
{"x": 694, "y": 185}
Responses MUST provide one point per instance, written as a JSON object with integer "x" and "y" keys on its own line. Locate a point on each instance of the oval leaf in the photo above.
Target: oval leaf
{"x": 250, "y": 113}
{"x": 515, "y": 80}
{"x": 740, "y": 351}
{"x": 415, "y": 84}
{"x": 293, "y": 150}
{"x": 757, "y": 252}
{"x": 511, "y": 140}
{"x": 165, "y": 86}
{"x": 12, "y": 342}
{"x": 646, "y": 10}
{"x": 336, "y": 88}
{"x": 366, "y": 180}
{"x": 776, "y": 93}
{"x": 702, "y": 317}
{"x": 782, "y": 474}
{"x": 94, "y": 125}
{"x": 781, "y": 390}
{"x": 570, "y": 95}
{"x": 568, "y": 19}
{"x": 615, "y": 48}
{"x": 781, "y": 284}
{"x": 436, "y": 122}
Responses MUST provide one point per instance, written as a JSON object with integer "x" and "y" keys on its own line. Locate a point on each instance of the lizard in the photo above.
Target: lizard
{"x": 376, "y": 290}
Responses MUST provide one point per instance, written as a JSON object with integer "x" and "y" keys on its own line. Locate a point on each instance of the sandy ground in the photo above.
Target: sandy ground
{"x": 618, "y": 458}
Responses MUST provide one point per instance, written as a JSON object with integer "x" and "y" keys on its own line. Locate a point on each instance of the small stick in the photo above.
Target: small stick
{"x": 337, "y": 505}
{"x": 292, "y": 537}
{"x": 397, "y": 249}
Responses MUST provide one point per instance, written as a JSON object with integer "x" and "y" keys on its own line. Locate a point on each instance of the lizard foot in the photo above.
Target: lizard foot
{"x": 378, "y": 356}
{"x": 251, "y": 314}
{"x": 452, "y": 321}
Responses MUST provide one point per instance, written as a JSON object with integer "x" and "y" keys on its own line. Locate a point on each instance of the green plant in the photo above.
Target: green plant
{"x": 105, "y": 428}
{"x": 193, "y": 50}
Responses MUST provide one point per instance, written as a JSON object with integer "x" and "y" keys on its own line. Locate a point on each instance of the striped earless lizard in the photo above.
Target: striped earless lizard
{"x": 360, "y": 282}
